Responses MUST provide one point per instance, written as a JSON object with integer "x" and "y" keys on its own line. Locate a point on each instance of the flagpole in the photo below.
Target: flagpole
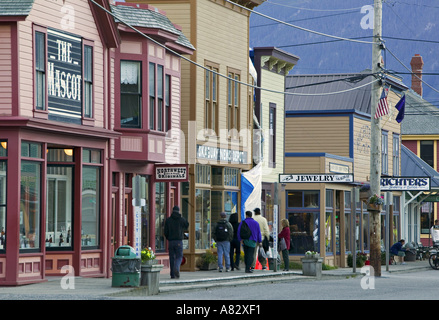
{"x": 375, "y": 142}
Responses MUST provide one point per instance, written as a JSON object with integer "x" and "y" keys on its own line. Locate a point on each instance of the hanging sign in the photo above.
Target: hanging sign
{"x": 64, "y": 76}
{"x": 170, "y": 173}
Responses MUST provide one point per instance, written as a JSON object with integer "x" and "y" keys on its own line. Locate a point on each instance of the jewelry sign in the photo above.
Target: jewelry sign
{"x": 316, "y": 178}
{"x": 64, "y": 76}
{"x": 405, "y": 183}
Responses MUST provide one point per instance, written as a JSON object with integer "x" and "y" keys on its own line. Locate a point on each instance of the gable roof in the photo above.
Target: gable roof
{"x": 145, "y": 16}
{"x": 413, "y": 166}
{"x": 317, "y": 85}
{"x": 420, "y": 116}
{"x": 15, "y": 7}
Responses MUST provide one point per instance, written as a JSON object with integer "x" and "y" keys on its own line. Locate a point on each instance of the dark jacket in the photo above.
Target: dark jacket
{"x": 230, "y": 233}
{"x": 235, "y": 224}
{"x": 175, "y": 226}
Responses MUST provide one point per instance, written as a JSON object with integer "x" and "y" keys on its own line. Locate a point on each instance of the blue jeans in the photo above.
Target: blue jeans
{"x": 223, "y": 247}
{"x": 175, "y": 257}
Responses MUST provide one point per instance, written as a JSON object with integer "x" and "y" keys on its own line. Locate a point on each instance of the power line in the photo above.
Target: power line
{"x": 222, "y": 75}
{"x": 297, "y": 27}
{"x": 308, "y": 9}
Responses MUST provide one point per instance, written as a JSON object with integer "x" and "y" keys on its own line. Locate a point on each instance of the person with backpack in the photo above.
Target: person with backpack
{"x": 249, "y": 233}
{"x": 222, "y": 235}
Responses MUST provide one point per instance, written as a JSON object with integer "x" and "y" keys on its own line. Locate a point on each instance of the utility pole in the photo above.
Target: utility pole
{"x": 375, "y": 142}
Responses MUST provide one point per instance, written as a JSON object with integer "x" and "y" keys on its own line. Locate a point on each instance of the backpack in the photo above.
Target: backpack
{"x": 245, "y": 232}
{"x": 221, "y": 231}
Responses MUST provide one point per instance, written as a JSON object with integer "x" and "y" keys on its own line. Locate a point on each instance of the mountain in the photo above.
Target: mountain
{"x": 409, "y": 27}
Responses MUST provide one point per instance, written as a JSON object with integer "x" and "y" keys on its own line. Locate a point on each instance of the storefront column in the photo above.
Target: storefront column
{"x": 13, "y": 210}
{"x": 77, "y": 212}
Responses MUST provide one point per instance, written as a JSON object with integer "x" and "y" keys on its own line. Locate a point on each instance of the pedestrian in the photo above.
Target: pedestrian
{"x": 434, "y": 231}
{"x": 235, "y": 245}
{"x": 222, "y": 235}
{"x": 175, "y": 225}
{"x": 265, "y": 234}
{"x": 398, "y": 250}
{"x": 251, "y": 241}
{"x": 285, "y": 235}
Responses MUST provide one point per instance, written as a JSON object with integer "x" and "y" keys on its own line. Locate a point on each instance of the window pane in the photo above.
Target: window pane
{"x": 295, "y": 198}
{"x": 90, "y": 206}
{"x": 304, "y": 232}
{"x": 2, "y": 205}
{"x": 40, "y": 67}
{"x": 30, "y": 203}
{"x": 160, "y": 215}
{"x": 130, "y": 88}
{"x": 59, "y": 206}
{"x": 202, "y": 219}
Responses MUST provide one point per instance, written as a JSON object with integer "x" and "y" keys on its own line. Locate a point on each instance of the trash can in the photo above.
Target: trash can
{"x": 125, "y": 267}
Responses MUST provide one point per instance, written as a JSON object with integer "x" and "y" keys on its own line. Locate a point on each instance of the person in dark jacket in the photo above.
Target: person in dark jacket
{"x": 251, "y": 243}
{"x": 235, "y": 245}
{"x": 398, "y": 250}
{"x": 174, "y": 228}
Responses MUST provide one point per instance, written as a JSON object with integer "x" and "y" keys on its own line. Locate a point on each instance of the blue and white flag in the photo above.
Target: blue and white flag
{"x": 251, "y": 189}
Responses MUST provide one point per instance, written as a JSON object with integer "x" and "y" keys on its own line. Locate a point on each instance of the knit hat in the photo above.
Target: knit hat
{"x": 176, "y": 209}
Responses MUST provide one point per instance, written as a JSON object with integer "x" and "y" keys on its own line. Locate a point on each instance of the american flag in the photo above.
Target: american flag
{"x": 383, "y": 107}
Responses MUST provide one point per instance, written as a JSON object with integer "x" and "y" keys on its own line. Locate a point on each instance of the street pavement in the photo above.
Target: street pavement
{"x": 80, "y": 288}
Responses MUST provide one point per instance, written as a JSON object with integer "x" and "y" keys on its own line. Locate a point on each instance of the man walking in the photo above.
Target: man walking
{"x": 265, "y": 233}
{"x": 250, "y": 240}
{"x": 174, "y": 228}
{"x": 222, "y": 235}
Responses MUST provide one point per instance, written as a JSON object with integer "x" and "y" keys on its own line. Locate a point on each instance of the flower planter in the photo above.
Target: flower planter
{"x": 208, "y": 266}
{"x": 150, "y": 276}
{"x": 312, "y": 267}
{"x": 374, "y": 207}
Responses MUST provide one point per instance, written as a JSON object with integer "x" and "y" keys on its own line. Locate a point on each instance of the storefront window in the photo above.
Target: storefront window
{"x": 427, "y": 217}
{"x": 328, "y": 220}
{"x": 347, "y": 220}
{"x": 366, "y": 235}
{"x": 30, "y": 197}
{"x": 202, "y": 219}
{"x": 90, "y": 206}
{"x": 396, "y": 220}
{"x": 230, "y": 202}
{"x": 160, "y": 215}
{"x": 304, "y": 232}
{"x": 216, "y": 208}
{"x": 59, "y": 217}
{"x": 2, "y": 204}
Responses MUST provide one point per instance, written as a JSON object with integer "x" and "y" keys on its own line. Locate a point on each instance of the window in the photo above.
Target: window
{"x": 30, "y": 197}
{"x": 384, "y": 153}
{"x": 160, "y": 96}
{"x": 160, "y": 215}
{"x": 347, "y": 220}
{"x": 427, "y": 152}
{"x": 91, "y": 177}
{"x": 272, "y": 136}
{"x": 211, "y": 97}
{"x": 152, "y": 86}
{"x": 88, "y": 81}
{"x": 395, "y": 155}
{"x": 3, "y": 203}
{"x": 233, "y": 98}
{"x": 130, "y": 94}
{"x": 167, "y": 102}
{"x": 59, "y": 218}
{"x": 202, "y": 219}
{"x": 40, "y": 70}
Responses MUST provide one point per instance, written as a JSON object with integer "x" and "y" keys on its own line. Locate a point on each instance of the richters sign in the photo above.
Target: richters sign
{"x": 405, "y": 183}
{"x": 64, "y": 76}
{"x": 316, "y": 178}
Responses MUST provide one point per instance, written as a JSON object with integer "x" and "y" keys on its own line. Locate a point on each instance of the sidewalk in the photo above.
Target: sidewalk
{"x": 101, "y": 288}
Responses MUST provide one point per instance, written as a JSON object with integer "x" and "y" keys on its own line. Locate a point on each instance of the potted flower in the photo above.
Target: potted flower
{"x": 207, "y": 261}
{"x": 311, "y": 254}
{"x": 147, "y": 256}
{"x": 375, "y": 202}
{"x": 312, "y": 264}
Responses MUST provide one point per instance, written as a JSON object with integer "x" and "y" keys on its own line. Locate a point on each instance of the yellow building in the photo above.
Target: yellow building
{"x": 217, "y": 111}
{"x": 327, "y": 154}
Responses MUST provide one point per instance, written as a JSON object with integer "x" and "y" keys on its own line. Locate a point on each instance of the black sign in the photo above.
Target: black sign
{"x": 64, "y": 76}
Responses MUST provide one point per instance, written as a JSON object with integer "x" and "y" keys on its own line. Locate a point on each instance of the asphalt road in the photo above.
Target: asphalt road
{"x": 421, "y": 285}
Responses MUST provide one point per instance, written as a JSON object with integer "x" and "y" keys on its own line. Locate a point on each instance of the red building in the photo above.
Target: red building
{"x": 85, "y": 105}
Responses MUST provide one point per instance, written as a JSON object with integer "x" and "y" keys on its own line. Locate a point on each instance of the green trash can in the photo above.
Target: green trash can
{"x": 125, "y": 267}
